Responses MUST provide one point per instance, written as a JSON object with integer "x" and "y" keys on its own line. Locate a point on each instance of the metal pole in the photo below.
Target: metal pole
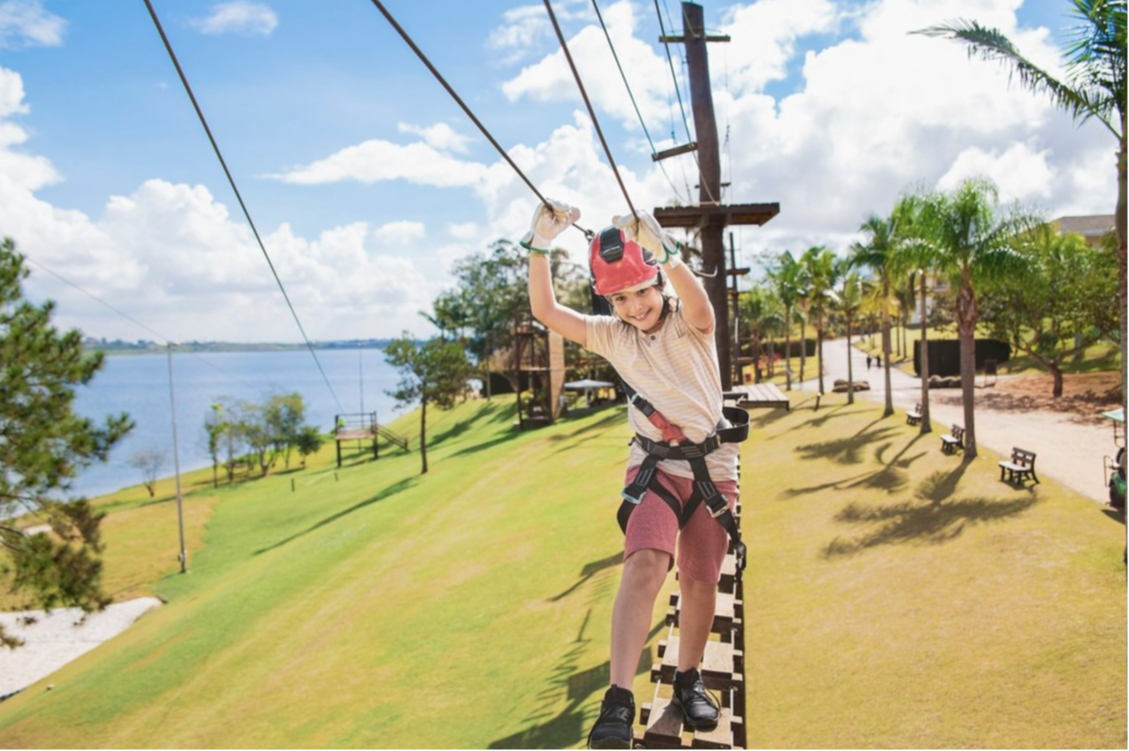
{"x": 733, "y": 301}
{"x": 176, "y": 465}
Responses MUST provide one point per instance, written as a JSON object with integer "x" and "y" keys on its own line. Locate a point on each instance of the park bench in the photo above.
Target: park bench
{"x": 953, "y": 441}
{"x": 1021, "y": 464}
{"x": 914, "y": 417}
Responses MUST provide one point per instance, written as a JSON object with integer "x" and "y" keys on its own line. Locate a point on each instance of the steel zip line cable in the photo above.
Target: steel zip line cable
{"x": 482, "y": 128}
{"x": 238, "y": 195}
{"x": 587, "y": 103}
{"x": 631, "y": 96}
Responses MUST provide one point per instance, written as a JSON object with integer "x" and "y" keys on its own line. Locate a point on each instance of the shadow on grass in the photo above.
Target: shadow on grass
{"x": 566, "y": 727}
{"x": 891, "y": 477}
{"x": 495, "y": 441}
{"x": 763, "y": 417}
{"x": 388, "y": 492}
{"x": 590, "y": 569}
{"x": 934, "y": 518}
{"x": 462, "y": 426}
{"x": 613, "y": 417}
{"x": 847, "y": 450}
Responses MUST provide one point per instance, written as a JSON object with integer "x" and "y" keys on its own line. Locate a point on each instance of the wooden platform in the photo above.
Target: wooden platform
{"x": 766, "y": 395}
{"x": 354, "y": 434}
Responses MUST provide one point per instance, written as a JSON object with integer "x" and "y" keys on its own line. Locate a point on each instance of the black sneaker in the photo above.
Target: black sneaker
{"x": 613, "y": 726}
{"x": 699, "y": 710}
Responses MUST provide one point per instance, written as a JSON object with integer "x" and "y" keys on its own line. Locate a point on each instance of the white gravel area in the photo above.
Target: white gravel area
{"x": 54, "y": 639}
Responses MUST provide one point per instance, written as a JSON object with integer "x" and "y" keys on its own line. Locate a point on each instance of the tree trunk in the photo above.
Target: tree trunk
{"x": 886, "y": 349}
{"x": 850, "y": 369}
{"x": 788, "y": 350}
{"x": 423, "y": 435}
{"x": 966, "y": 317}
{"x": 1121, "y": 218}
{"x": 819, "y": 349}
{"x": 1056, "y": 371}
{"x": 926, "y": 426}
{"x": 803, "y": 345}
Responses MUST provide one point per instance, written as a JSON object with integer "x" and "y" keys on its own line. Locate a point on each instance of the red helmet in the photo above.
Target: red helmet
{"x": 619, "y": 264}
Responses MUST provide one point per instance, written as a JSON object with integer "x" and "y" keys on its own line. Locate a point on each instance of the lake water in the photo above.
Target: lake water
{"x": 139, "y": 385}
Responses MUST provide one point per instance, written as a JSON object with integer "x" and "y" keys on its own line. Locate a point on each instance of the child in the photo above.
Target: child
{"x": 664, "y": 349}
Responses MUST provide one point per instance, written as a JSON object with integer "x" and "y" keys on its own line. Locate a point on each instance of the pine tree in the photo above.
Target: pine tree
{"x": 43, "y": 447}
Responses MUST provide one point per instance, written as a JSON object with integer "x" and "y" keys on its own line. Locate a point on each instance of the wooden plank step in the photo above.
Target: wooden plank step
{"x": 664, "y": 728}
{"x": 728, "y": 582}
{"x": 728, "y": 611}
{"x": 722, "y": 665}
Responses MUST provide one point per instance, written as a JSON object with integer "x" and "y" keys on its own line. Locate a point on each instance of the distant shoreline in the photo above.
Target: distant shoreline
{"x": 141, "y": 347}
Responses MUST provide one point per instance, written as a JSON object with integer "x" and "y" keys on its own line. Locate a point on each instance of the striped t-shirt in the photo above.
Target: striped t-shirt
{"x": 676, "y": 370}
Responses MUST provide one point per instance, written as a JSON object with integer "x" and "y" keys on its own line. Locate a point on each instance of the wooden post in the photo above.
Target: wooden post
{"x": 709, "y": 184}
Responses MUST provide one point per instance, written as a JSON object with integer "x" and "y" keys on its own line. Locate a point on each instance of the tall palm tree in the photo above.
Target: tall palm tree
{"x": 822, "y": 272}
{"x": 849, "y": 298}
{"x": 878, "y": 254}
{"x": 787, "y": 279}
{"x": 973, "y": 237}
{"x": 905, "y": 295}
{"x": 916, "y": 255}
{"x": 1095, "y": 88}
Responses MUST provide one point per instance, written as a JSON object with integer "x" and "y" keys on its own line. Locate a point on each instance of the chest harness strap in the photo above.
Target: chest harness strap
{"x": 676, "y": 446}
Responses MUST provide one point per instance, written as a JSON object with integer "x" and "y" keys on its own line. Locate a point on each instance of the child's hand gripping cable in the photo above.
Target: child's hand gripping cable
{"x": 550, "y": 219}
{"x": 646, "y": 230}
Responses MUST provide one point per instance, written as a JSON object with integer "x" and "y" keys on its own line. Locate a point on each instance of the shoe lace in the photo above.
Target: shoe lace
{"x": 699, "y": 690}
{"x": 612, "y": 712}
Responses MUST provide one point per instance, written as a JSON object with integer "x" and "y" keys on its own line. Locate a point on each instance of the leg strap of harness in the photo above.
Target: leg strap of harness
{"x": 645, "y": 479}
{"x": 718, "y": 507}
{"x": 704, "y": 492}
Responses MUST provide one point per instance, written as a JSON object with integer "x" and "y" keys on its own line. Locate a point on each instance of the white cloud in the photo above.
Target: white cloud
{"x": 440, "y": 136}
{"x": 238, "y": 17}
{"x": 25, "y": 23}
{"x": 648, "y": 74}
{"x": 174, "y": 258}
{"x": 765, "y": 34}
{"x": 877, "y": 114}
{"x": 527, "y": 27}
{"x": 464, "y": 231}
{"x": 399, "y": 234}
{"x": 377, "y": 160}
{"x": 1019, "y": 172}
{"x": 523, "y": 29}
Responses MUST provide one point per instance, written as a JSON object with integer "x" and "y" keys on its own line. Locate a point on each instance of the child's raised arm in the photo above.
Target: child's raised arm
{"x": 550, "y": 220}
{"x": 647, "y": 231}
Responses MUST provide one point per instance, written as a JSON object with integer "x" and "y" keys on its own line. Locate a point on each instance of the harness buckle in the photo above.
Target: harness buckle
{"x": 635, "y": 501}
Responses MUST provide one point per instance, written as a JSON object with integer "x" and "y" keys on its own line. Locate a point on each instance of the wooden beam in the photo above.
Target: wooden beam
{"x": 681, "y": 38}
{"x": 696, "y": 216}
{"x": 684, "y": 149}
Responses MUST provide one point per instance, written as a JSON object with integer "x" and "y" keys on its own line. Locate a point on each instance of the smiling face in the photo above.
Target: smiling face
{"x": 641, "y": 308}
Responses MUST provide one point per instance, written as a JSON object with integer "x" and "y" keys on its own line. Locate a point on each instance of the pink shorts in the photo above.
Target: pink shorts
{"x": 703, "y": 542}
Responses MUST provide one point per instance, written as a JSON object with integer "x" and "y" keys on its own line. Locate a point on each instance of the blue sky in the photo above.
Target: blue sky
{"x": 367, "y": 181}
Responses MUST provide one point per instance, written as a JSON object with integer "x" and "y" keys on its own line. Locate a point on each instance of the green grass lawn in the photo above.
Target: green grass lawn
{"x": 895, "y": 596}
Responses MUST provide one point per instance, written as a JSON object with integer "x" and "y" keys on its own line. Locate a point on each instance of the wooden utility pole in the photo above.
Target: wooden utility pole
{"x": 710, "y": 216}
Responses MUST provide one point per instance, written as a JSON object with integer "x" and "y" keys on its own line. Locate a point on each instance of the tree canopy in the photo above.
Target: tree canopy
{"x": 44, "y": 445}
